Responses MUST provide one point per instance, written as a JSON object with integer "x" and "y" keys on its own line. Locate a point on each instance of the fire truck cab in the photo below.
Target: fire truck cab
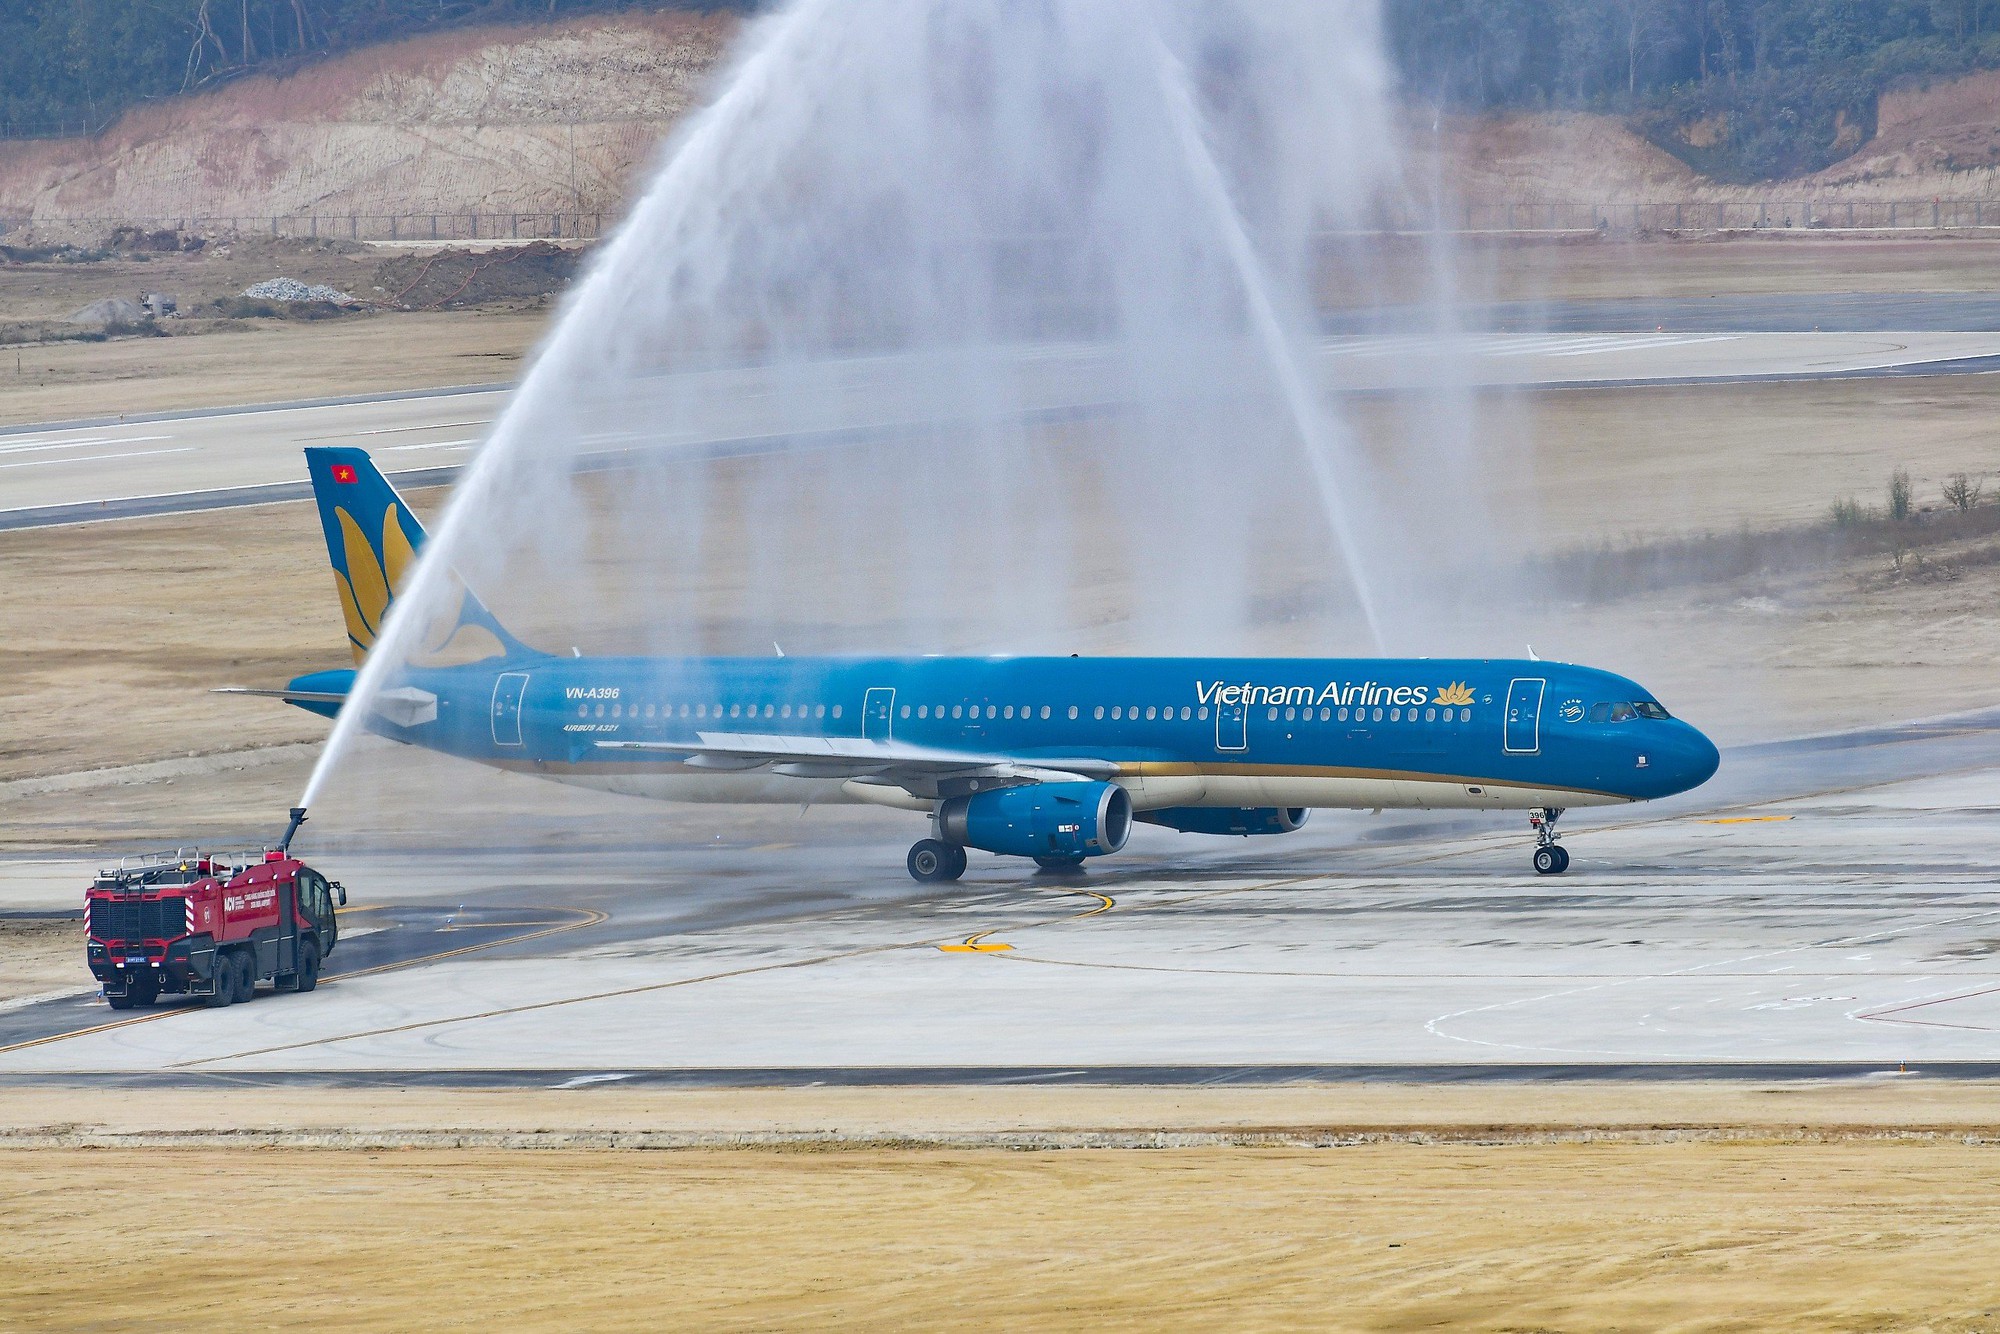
{"x": 209, "y": 924}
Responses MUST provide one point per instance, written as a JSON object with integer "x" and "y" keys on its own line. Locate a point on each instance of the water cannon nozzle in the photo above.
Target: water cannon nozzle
{"x": 298, "y": 818}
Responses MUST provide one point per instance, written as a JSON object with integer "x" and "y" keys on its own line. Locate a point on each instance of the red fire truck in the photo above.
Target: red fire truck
{"x": 209, "y": 924}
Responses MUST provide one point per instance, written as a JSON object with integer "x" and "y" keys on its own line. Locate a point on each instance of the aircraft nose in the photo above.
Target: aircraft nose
{"x": 1695, "y": 758}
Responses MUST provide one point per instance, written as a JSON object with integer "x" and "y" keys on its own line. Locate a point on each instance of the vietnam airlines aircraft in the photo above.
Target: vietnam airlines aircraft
{"x": 1047, "y": 758}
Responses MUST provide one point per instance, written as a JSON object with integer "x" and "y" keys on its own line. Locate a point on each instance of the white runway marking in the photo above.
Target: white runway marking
{"x": 35, "y": 447}
{"x": 99, "y": 458}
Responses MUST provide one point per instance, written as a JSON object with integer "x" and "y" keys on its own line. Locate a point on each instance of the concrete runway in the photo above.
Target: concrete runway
{"x": 69, "y": 472}
{"x": 1827, "y": 907}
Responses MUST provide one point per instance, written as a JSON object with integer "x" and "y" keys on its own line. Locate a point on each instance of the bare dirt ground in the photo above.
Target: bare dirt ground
{"x": 1396, "y": 1236}
{"x": 269, "y": 362}
{"x": 1575, "y": 268}
{"x": 40, "y": 956}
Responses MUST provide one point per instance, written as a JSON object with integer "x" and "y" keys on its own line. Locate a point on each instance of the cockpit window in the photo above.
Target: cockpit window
{"x": 1625, "y": 713}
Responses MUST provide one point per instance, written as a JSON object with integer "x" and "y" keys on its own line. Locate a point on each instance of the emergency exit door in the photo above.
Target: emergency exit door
{"x": 1524, "y": 715}
{"x": 507, "y": 692}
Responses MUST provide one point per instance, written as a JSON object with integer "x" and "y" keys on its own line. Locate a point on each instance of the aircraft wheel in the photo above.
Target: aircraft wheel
{"x": 931, "y": 861}
{"x": 1551, "y": 860}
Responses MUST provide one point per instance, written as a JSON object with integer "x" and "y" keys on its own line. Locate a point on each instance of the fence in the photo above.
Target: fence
{"x": 1691, "y": 215}
{"x": 1703, "y": 215}
{"x": 339, "y": 226}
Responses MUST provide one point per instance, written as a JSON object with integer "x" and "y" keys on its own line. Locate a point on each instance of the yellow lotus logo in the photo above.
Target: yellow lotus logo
{"x": 370, "y": 584}
{"x": 1456, "y": 693}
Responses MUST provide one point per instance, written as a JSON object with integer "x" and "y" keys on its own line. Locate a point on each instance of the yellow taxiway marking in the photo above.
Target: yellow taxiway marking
{"x": 1747, "y": 819}
{"x": 978, "y": 944}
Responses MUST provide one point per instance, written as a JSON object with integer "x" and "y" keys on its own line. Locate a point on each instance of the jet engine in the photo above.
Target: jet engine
{"x": 1053, "y": 820}
{"x": 1226, "y": 820}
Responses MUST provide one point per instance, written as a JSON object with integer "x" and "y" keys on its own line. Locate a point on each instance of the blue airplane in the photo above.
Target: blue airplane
{"x": 1052, "y": 759}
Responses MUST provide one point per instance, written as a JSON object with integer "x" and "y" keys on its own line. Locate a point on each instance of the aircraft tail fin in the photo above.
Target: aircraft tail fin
{"x": 372, "y": 539}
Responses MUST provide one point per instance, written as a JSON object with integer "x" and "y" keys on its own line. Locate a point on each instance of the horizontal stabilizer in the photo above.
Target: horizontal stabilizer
{"x": 289, "y": 696}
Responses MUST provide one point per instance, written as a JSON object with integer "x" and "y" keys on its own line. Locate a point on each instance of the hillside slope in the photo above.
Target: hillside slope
{"x": 1942, "y": 140}
{"x": 558, "y": 118}
{"x": 540, "y": 119}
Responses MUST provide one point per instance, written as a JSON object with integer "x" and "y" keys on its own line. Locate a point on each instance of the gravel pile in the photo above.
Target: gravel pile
{"x": 291, "y": 289}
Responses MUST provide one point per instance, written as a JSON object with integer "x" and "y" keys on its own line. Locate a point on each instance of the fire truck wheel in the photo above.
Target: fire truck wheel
{"x": 225, "y": 983}
{"x": 246, "y": 978}
{"x": 308, "y": 968}
{"x": 123, "y": 1002}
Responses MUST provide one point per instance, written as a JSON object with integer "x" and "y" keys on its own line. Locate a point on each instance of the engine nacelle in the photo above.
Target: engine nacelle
{"x": 1041, "y": 820}
{"x": 1229, "y": 820}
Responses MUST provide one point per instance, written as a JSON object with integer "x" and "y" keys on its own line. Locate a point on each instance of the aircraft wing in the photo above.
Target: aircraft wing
{"x": 917, "y": 768}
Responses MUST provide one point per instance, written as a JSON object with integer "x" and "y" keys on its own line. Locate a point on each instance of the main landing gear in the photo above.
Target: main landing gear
{"x": 931, "y": 860}
{"x": 1551, "y": 857}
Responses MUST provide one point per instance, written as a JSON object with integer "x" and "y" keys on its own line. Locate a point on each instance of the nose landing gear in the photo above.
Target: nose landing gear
{"x": 1551, "y": 857}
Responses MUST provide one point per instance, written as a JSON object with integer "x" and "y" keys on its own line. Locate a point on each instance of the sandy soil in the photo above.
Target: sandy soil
{"x": 272, "y": 362}
{"x": 1375, "y": 1237}
{"x": 606, "y": 1115}
{"x": 39, "y": 956}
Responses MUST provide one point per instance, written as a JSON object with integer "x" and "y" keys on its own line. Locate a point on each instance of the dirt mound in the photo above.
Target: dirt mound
{"x": 111, "y": 310}
{"x": 533, "y": 119}
{"x": 449, "y": 279}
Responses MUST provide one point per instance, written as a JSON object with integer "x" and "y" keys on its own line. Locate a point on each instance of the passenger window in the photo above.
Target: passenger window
{"x": 1395, "y": 715}
{"x": 1291, "y": 715}
{"x": 1430, "y": 715}
{"x": 1072, "y": 711}
{"x": 1151, "y": 713}
{"x": 819, "y": 710}
{"x": 1008, "y": 711}
{"x": 958, "y": 710}
{"x": 906, "y": 711}
{"x": 990, "y": 710}
{"x": 1117, "y": 710}
{"x": 1378, "y": 715}
{"x": 836, "y": 710}
{"x": 1045, "y": 710}
{"x": 1098, "y": 712}
{"x": 1202, "y": 713}
{"x": 923, "y": 710}
{"x": 786, "y": 712}
{"x": 600, "y": 710}
{"x": 1186, "y": 713}
{"x": 736, "y": 710}
{"x": 1341, "y": 716}
{"x": 1274, "y": 716}
{"x": 583, "y": 710}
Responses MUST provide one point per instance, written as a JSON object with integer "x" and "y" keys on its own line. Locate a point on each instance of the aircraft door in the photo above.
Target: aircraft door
{"x": 1231, "y": 726}
{"x": 507, "y": 691}
{"x": 877, "y": 709}
{"x": 1524, "y": 715}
